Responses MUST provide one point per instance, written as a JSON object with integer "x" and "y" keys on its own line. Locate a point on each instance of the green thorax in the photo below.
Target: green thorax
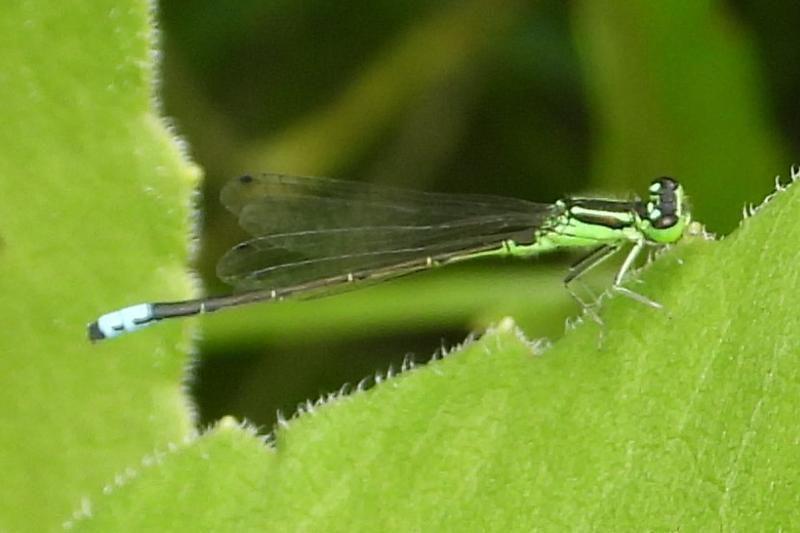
{"x": 589, "y": 222}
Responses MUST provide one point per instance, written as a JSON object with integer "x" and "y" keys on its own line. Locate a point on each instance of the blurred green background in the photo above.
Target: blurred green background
{"x": 528, "y": 99}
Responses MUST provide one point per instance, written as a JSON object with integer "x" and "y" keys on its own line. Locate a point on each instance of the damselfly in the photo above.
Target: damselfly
{"x": 316, "y": 236}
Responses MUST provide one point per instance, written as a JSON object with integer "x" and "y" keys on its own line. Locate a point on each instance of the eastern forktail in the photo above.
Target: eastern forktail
{"x": 314, "y": 236}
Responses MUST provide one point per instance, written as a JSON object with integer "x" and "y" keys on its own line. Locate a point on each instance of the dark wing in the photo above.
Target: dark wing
{"x": 272, "y": 203}
{"x": 309, "y": 230}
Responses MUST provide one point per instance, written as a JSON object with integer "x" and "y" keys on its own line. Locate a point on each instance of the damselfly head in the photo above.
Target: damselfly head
{"x": 667, "y": 212}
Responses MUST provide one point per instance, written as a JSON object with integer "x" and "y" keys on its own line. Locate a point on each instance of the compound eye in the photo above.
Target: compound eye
{"x": 667, "y": 183}
{"x": 665, "y": 221}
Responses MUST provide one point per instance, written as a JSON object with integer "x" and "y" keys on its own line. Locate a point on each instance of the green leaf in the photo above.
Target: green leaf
{"x": 683, "y": 419}
{"x": 93, "y": 214}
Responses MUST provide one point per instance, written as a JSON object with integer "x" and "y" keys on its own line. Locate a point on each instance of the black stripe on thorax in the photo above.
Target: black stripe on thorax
{"x": 601, "y": 212}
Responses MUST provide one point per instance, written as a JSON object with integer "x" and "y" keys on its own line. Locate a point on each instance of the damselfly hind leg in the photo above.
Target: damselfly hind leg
{"x": 581, "y": 267}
